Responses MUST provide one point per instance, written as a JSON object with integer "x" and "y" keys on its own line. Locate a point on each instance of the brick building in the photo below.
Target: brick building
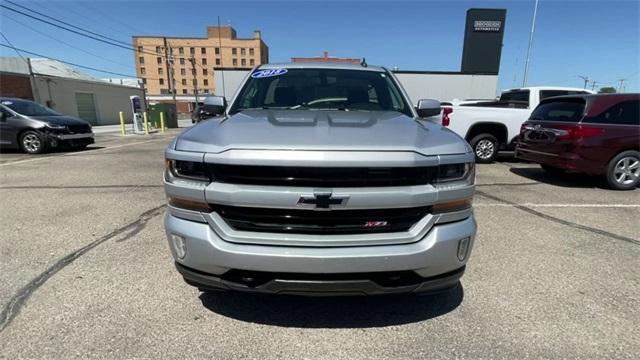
{"x": 220, "y": 49}
{"x": 326, "y": 58}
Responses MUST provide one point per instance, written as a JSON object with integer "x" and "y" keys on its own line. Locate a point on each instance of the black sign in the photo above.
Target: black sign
{"x": 483, "y": 41}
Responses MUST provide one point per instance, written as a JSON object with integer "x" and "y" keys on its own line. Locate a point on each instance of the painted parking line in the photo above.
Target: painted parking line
{"x": 78, "y": 153}
{"x": 558, "y": 205}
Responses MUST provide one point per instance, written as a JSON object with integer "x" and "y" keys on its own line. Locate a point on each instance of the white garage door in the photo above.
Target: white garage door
{"x": 86, "y": 107}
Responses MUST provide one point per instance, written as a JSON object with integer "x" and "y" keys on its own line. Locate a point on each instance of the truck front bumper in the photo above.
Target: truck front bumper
{"x": 430, "y": 264}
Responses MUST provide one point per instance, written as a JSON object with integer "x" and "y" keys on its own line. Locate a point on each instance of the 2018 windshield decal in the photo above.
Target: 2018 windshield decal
{"x": 268, "y": 73}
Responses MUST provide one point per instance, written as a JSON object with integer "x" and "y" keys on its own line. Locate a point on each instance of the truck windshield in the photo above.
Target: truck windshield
{"x": 320, "y": 89}
{"x": 29, "y": 108}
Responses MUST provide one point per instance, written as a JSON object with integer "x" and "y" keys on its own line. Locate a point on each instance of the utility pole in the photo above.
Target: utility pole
{"x": 169, "y": 67}
{"x": 221, "y": 57}
{"x": 621, "y": 86}
{"x": 195, "y": 82}
{"x": 586, "y": 80}
{"x": 526, "y": 66}
{"x": 593, "y": 85}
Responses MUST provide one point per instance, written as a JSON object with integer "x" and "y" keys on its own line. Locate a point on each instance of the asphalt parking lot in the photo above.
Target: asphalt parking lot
{"x": 86, "y": 272}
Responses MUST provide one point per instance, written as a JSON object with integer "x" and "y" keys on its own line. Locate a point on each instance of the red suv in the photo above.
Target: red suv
{"x": 594, "y": 134}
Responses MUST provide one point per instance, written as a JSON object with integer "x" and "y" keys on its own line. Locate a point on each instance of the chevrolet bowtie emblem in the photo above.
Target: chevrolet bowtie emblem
{"x": 322, "y": 200}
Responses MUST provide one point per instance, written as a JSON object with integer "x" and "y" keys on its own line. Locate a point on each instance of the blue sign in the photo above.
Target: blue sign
{"x": 268, "y": 73}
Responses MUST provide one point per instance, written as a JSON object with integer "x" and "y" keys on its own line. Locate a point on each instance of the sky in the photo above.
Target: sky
{"x": 599, "y": 39}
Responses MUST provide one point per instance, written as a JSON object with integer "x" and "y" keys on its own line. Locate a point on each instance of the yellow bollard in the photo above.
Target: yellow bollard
{"x": 146, "y": 123}
{"x": 162, "y": 121}
{"x": 122, "y": 123}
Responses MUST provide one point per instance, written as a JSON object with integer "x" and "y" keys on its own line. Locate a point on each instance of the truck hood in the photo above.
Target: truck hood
{"x": 321, "y": 130}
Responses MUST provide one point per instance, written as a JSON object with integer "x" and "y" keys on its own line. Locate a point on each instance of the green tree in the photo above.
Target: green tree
{"x": 607, "y": 90}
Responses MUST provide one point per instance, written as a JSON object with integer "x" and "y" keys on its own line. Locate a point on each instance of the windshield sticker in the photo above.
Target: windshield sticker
{"x": 268, "y": 73}
{"x": 7, "y": 102}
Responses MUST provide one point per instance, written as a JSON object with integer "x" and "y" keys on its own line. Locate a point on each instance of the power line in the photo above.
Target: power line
{"x": 65, "y": 43}
{"x": 63, "y": 22}
{"x": 78, "y": 32}
{"x": 13, "y": 47}
{"x": 70, "y": 63}
{"x": 106, "y": 16}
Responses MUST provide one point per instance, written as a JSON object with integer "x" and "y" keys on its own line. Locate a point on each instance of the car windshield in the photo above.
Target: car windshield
{"x": 320, "y": 89}
{"x": 29, "y": 108}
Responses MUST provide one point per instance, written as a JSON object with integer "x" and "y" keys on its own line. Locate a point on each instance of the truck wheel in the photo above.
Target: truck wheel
{"x": 32, "y": 142}
{"x": 623, "y": 171}
{"x": 485, "y": 146}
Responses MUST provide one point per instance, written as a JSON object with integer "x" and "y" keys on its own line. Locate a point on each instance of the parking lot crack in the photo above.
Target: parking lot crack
{"x": 15, "y": 304}
{"x": 558, "y": 220}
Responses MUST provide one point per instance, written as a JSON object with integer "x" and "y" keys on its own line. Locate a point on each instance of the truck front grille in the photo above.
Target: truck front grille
{"x": 332, "y": 222}
{"x": 322, "y": 177}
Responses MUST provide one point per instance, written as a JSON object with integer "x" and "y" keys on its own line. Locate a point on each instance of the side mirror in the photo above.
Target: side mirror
{"x": 428, "y": 107}
{"x": 213, "y": 106}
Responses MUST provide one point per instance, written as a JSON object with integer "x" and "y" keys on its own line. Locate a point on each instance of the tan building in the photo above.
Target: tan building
{"x": 326, "y": 58}
{"x": 220, "y": 49}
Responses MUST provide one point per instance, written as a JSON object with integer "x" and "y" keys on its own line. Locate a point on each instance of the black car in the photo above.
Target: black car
{"x": 34, "y": 128}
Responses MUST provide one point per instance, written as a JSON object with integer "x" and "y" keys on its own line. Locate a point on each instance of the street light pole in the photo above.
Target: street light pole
{"x": 526, "y": 66}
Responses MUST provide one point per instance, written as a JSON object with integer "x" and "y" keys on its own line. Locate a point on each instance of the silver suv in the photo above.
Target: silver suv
{"x": 320, "y": 179}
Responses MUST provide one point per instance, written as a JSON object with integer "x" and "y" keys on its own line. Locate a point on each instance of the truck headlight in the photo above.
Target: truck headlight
{"x": 186, "y": 170}
{"x": 452, "y": 175}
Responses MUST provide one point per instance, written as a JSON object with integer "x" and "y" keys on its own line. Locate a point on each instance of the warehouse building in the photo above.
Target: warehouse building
{"x": 66, "y": 90}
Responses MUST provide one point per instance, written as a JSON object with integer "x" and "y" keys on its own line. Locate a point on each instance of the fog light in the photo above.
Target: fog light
{"x": 179, "y": 245}
{"x": 463, "y": 247}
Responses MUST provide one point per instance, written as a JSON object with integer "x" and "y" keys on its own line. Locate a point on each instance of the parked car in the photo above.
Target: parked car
{"x": 593, "y": 134}
{"x": 490, "y": 126}
{"x": 34, "y": 128}
{"x": 320, "y": 179}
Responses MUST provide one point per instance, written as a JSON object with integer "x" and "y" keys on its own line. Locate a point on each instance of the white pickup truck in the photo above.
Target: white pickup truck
{"x": 494, "y": 125}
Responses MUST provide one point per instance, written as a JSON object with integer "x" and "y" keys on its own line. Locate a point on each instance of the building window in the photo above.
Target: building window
{"x": 243, "y": 62}
{"x": 140, "y": 49}
{"x": 143, "y": 71}
{"x": 144, "y": 81}
{"x": 217, "y": 51}
{"x": 217, "y": 61}
{"x": 181, "y": 50}
{"x": 205, "y": 82}
{"x": 206, "y": 91}
{"x": 160, "y": 71}
{"x": 192, "y": 50}
{"x": 159, "y": 60}
{"x": 181, "y": 61}
{"x": 204, "y": 61}
{"x": 183, "y": 72}
{"x": 184, "y": 81}
{"x": 205, "y": 72}
{"x": 243, "y": 51}
{"x": 234, "y": 51}
{"x": 184, "y": 91}
{"x": 203, "y": 50}
{"x": 252, "y": 62}
{"x": 141, "y": 59}
{"x": 161, "y": 81}
{"x": 195, "y": 81}
{"x": 158, "y": 50}
{"x": 235, "y": 62}
{"x": 251, "y": 51}
{"x": 193, "y": 71}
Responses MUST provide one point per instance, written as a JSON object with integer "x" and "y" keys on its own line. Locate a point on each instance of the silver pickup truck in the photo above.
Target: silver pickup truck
{"x": 320, "y": 179}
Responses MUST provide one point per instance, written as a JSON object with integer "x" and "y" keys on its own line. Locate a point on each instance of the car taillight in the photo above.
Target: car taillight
{"x": 578, "y": 131}
{"x": 445, "y": 115}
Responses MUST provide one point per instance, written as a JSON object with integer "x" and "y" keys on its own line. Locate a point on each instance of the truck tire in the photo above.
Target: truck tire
{"x": 485, "y": 147}
{"x": 623, "y": 171}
